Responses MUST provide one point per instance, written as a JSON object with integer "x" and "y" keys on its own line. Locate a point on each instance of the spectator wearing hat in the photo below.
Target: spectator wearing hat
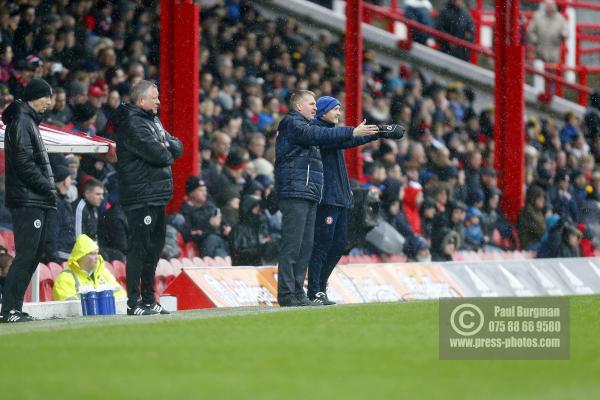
{"x": 413, "y": 198}
{"x": 96, "y": 99}
{"x": 474, "y": 238}
{"x": 416, "y": 250}
{"x": 85, "y": 270}
{"x": 196, "y": 199}
{"x": 551, "y": 240}
{"x": 443, "y": 244}
{"x": 453, "y": 219}
{"x": 30, "y": 191}
{"x": 331, "y": 224}
{"x": 61, "y": 222}
{"x": 84, "y": 119}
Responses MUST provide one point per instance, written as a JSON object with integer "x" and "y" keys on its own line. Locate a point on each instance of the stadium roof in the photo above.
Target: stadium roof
{"x": 58, "y": 141}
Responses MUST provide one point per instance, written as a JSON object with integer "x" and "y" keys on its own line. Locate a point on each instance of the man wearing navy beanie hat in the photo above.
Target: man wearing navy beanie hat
{"x": 331, "y": 224}
{"x": 30, "y": 191}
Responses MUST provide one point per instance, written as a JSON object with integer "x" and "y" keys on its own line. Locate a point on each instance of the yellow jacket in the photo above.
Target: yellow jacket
{"x": 68, "y": 282}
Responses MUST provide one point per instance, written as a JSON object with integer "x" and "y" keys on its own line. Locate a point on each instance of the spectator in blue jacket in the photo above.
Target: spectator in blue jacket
{"x": 299, "y": 187}
{"x": 331, "y": 225}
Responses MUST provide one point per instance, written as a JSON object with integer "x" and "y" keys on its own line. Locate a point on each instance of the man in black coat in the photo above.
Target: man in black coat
{"x": 30, "y": 191}
{"x": 86, "y": 209}
{"x": 249, "y": 240}
{"x": 331, "y": 225}
{"x": 145, "y": 153}
{"x": 455, "y": 20}
{"x": 299, "y": 187}
{"x": 61, "y": 222}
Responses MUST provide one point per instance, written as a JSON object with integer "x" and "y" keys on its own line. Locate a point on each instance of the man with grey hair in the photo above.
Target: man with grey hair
{"x": 145, "y": 153}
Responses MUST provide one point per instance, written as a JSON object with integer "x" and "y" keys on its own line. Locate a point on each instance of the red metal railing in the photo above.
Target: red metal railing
{"x": 372, "y": 12}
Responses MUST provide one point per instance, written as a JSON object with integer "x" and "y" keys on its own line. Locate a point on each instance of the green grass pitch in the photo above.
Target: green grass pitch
{"x": 376, "y": 351}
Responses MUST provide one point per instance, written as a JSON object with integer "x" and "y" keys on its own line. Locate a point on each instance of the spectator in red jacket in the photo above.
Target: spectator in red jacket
{"x": 413, "y": 198}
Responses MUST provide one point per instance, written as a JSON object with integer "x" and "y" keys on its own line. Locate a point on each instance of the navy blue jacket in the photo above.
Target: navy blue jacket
{"x": 336, "y": 191}
{"x": 298, "y": 165}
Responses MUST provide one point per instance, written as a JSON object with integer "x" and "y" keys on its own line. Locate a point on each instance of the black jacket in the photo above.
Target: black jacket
{"x": 298, "y": 165}
{"x": 145, "y": 153}
{"x": 112, "y": 232}
{"x": 29, "y": 179}
{"x": 61, "y": 231}
{"x": 336, "y": 189}
{"x": 248, "y": 241}
{"x": 86, "y": 219}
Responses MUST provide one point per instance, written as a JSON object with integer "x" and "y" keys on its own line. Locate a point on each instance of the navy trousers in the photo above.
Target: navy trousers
{"x": 331, "y": 237}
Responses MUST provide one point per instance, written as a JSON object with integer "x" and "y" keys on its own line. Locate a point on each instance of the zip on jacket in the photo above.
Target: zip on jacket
{"x": 307, "y": 174}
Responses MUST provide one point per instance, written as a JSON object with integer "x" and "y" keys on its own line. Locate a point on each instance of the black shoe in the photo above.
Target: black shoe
{"x": 306, "y": 302}
{"x": 141, "y": 310}
{"x": 321, "y": 298}
{"x": 16, "y": 316}
{"x": 158, "y": 308}
{"x": 288, "y": 301}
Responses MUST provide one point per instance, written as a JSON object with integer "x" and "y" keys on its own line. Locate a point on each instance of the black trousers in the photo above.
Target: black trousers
{"x": 146, "y": 240}
{"x": 298, "y": 226}
{"x": 331, "y": 237}
{"x": 29, "y": 226}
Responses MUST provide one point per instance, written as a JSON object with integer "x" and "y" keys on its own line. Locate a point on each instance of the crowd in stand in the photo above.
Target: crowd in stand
{"x": 437, "y": 186}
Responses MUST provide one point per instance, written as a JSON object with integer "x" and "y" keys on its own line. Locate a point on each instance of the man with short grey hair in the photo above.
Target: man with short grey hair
{"x": 145, "y": 153}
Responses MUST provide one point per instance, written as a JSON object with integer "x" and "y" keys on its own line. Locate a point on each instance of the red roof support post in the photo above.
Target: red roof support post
{"x": 180, "y": 46}
{"x": 353, "y": 82}
{"x": 509, "y": 107}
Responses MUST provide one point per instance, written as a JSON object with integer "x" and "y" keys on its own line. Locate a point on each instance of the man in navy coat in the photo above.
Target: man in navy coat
{"x": 331, "y": 225}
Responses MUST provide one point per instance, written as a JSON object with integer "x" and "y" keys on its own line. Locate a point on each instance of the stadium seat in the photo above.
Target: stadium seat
{"x": 119, "y": 272}
{"x": 109, "y": 267}
{"x": 222, "y": 261}
{"x": 176, "y": 266}
{"x": 187, "y": 263}
{"x": 7, "y": 239}
{"x": 210, "y": 262}
{"x": 55, "y": 269}
{"x": 190, "y": 250}
{"x": 199, "y": 262}
{"x": 46, "y": 283}
{"x": 164, "y": 275}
